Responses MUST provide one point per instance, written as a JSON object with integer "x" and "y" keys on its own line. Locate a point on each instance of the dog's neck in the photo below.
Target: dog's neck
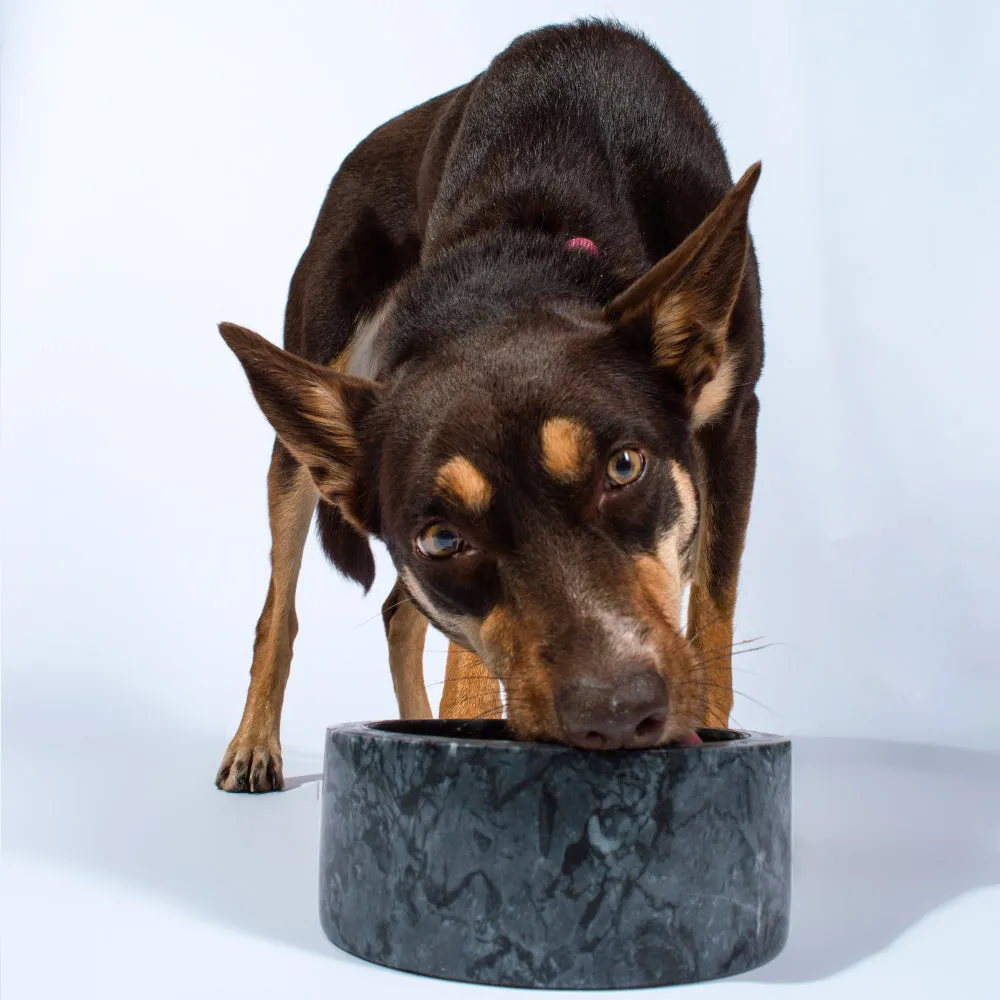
{"x": 493, "y": 278}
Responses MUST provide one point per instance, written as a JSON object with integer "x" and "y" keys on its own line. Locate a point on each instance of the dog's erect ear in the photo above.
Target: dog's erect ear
{"x": 690, "y": 294}
{"x": 313, "y": 410}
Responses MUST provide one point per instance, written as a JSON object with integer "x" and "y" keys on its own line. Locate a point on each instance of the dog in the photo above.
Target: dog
{"x": 521, "y": 349}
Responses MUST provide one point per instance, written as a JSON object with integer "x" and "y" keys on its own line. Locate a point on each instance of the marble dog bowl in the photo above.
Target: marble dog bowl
{"x": 450, "y": 850}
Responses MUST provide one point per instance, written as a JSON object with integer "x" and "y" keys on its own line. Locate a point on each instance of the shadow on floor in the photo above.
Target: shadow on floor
{"x": 883, "y": 833}
{"x": 306, "y": 779}
{"x": 101, "y": 779}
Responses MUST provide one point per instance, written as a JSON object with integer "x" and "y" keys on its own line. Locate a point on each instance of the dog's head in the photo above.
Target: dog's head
{"x": 535, "y": 487}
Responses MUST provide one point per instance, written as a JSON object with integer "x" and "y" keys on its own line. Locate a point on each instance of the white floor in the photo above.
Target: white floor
{"x": 126, "y": 874}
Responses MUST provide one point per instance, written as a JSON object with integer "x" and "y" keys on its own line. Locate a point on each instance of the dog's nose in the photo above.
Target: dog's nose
{"x": 628, "y": 711}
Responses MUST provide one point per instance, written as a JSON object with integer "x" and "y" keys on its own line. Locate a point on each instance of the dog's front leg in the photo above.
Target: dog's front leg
{"x": 471, "y": 691}
{"x": 252, "y": 762}
{"x": 728, "y": 456}
{"x": 406, "y": 630}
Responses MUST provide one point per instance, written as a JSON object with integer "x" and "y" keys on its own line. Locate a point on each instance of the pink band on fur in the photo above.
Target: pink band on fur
{"x": 582, "y": 243}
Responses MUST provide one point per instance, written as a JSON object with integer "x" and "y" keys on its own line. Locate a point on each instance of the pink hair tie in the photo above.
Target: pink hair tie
{"x": 582, "y": 243}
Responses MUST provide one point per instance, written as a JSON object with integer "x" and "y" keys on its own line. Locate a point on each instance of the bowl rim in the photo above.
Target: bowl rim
{"x": 742, "y": 741}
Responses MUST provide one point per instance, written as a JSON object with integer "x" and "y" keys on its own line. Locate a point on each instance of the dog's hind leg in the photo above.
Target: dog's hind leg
{"x": 406, "y": 630}
{"x": 729, "y": 455}
{"x": 252, "y": 763}
{"x": 471, "y": 691}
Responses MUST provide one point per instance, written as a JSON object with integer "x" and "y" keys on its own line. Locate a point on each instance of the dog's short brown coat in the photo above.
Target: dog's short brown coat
{"x": 449, "y": 359}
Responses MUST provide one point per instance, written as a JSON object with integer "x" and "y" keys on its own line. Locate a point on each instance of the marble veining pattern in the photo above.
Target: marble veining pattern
{"x": 541, "y": 866}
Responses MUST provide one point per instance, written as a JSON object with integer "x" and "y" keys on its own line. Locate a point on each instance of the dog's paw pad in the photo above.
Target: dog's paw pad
{"x": 251, "y": 767}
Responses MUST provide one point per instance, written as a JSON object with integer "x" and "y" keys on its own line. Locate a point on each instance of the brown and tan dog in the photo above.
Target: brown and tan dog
{"x": 521, "y": 350}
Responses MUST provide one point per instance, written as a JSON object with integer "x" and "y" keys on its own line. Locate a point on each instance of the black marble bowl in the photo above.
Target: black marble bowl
{"x": 451, "y": 850}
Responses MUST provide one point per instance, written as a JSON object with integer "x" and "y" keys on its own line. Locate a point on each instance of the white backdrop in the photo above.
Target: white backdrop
{"x": 163, "y": 165}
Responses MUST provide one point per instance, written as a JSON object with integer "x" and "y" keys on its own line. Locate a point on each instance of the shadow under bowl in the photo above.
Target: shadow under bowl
{"x": 452, "y": 850}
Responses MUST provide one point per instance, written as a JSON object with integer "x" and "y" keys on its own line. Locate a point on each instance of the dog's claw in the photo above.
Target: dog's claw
{"x": 251, "y": 768}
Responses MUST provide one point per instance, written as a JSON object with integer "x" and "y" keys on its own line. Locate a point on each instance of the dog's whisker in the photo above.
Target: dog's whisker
{"x": 739, "y": 652}
{"x": 704, "y": 628}
{"x": 734, "y": 649}
{"x": 470, "y": 677}
{"x": 746, "y": 642}
{"x": 495, "y": 712}
{"x": 727, "y": 651}
{"x": 743, "y": 694}
{"x": 379, "y": 614}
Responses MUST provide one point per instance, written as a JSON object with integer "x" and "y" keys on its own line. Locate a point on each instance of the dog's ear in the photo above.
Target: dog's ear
{"x": 690, "y": 294}
{"x": 313, "y": 410}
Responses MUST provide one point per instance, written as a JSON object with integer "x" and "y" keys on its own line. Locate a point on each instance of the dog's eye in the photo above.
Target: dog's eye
{"x": 625, "y": 466}
{"x": 439, "y": 542}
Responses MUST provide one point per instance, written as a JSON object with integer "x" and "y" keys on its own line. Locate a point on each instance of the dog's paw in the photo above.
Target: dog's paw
{"x": 251, "y": 766}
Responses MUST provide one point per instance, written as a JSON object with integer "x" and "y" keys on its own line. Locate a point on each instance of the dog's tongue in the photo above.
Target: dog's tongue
{"x": 692, "y": 739}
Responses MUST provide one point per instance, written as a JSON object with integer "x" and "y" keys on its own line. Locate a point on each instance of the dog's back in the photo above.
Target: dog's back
{"x": 581, "y": 128}
{"x": 589, "y": 128}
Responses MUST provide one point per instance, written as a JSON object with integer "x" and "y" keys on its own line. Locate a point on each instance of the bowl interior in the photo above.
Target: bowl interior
{"x": 497, "y": 729}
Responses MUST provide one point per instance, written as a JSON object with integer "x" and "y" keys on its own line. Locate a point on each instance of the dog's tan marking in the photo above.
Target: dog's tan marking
{"x": 709, "y": 626}
{"x": 358, "y": 357}
{"x": 714, "y": 394}
{"x": 678, "y": 314}
{"x": 696, "y": 359}
{"x": 668, "y": 555}
{"x": 567, "y": 449}
{"x": 326, "y": 409}
{"x": 688, "y": 498}
{"x": 690, "y": 294}
{"x": 471, "y": 691}
{"x": 657, "y": 594}
{"x": 341, "y": 362}
{"x": 672, "y": 585}
{"x": 334, "y": 479}
{"x": 656, "y": 602}
{"x": 512, "y": 645}
{"x": 253, "y": 760}
{"x": 462, "y": 483}
{"x": 406, "y": 634}
{"x": 710, "y": 632}
{"x": 498, "y": 639}
{"x": 671, "y": 547}
{"x": 462, "y": 625}
{"x": 660, "y": 579}
{"x": 307, "y": 408}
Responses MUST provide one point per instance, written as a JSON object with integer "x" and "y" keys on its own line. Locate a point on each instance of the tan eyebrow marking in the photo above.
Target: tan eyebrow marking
{"x": 460, "y": 481}
{"x": 567, "y": 449}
